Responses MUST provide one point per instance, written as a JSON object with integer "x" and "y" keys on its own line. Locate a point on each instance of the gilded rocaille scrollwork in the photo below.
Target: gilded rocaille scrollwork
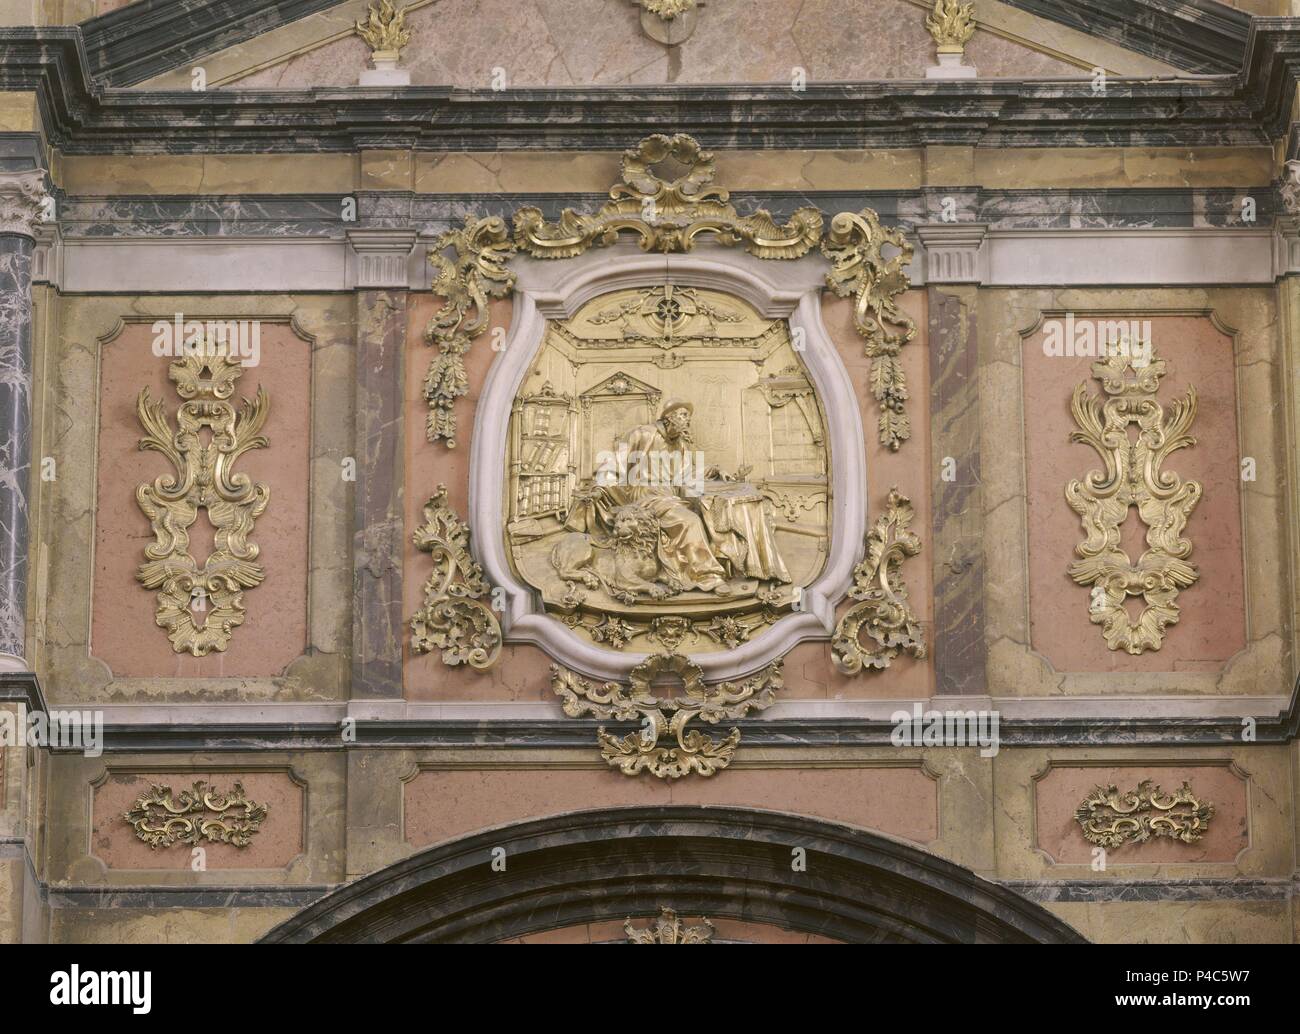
{"x": 855, "y": 245}
{"x": 1133, "y": 477}
{"x": 198, "y": 606}
{"x": 667, "y": 215}
{"x": 664, "y": 717}
{"x": 952, "y": 24}
{"x": 454, "y": 617}
{"x": 668, "y": 929}
{"x": 1110, "y": 818}
{"x": 478, "y": 272}
{"x": 161, "y": 818}
{"x": 882, "y": 611}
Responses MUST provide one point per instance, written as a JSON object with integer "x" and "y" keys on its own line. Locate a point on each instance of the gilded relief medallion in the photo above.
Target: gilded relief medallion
{"x": 668, "y": 467}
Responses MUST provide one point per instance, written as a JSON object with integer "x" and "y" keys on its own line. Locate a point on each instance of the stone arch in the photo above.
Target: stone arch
{"x": 722, "y": 862}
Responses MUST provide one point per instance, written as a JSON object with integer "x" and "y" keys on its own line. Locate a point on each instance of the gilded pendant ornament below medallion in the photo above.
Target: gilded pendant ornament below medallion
{"x": 1134, "y": 476}
{"x": 199, "y": 606}
{"x": 664, "y": 746}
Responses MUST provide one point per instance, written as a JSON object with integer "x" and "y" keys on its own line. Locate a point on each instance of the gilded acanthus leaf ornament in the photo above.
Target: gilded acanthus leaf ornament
{"x": 1133, "y": 477}
{"x": 952, "y": 24}
{"x": 162, "y": 818}
{"x": 668, "y": 929}
{"x": 855, "y": 245}
{"x": 465, "y": 283}
{"x": 198, "y": 606}
{"x": 667, "y": 215}
{"x": 662, "y": 717}
{"x": 1110, "y": 818}
{"x": 454, "y": 617}
{"x": 385, "y": 30}
{"x": 882, "y": 611}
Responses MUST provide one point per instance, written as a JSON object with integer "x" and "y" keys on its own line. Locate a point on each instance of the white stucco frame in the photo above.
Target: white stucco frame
{"x": 779, "y": 289}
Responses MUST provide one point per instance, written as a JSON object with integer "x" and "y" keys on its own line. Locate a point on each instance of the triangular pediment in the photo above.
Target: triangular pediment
{"x": 524, "y": 44}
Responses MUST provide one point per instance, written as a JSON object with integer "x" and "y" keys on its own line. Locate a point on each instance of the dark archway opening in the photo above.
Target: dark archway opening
{"x": 738, "y": 863}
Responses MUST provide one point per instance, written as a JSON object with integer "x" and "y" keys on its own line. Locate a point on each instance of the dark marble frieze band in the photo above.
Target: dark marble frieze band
{"x": 320, "y": 216}
{"x": 522, "y": 733}
{"x": 83, "y": 118}
{"x": 1195, "y": 35}
{"x": 1229, "y": 888}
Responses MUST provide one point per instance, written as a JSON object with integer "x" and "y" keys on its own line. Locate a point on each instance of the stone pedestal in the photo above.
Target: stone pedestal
{"x": 950, "y": 67}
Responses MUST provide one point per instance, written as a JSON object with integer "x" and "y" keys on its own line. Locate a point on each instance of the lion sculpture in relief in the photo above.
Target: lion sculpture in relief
{"x": 627, "y": 566}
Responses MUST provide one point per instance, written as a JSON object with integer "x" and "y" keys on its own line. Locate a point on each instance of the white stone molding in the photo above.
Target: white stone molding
{"x": 379, "y": 258}
{"x": 778, "y": 290}
{"x": 954, "y": 252}
{"x": 21, "y": 202}
{"x": 47, "y": 259}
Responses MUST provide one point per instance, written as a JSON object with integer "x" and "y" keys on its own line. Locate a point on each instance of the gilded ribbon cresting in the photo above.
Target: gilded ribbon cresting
{"x": 1110, "y": 818}
{"x": 1133, "y": 476}
{"x": 199, "y": 606}
{"x": 883, "y": 611}
{"x": 162, "y": 818}
{"x": 669, "y": 216}
{"x": 664, "y": 717}
{"x": 453, "y": 618}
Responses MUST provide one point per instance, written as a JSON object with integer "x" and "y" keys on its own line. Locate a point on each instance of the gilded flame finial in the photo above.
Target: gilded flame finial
{"x": 385, "y": 31}
{"x": 952, "y": 24}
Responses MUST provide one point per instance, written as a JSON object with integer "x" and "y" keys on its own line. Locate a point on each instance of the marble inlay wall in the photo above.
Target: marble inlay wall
{"x": 599, "y": 42}
{"x": 274, "y": 632}
{"x": 1211, "y": 626}
{"x": 278, "y": 841}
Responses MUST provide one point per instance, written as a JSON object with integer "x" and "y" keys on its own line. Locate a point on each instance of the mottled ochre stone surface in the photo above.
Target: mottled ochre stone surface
{"x": 240, "y": 925}
{"x": 1179, "y": 922}
{"x": 1250, "y": 834}
{"x": 301, "y": 840}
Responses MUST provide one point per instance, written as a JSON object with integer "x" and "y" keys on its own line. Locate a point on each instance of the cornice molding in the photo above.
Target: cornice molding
{"x": 84, "y": 118}
{"x": 148, "y": 37}
{"x": 1199, "y": 36}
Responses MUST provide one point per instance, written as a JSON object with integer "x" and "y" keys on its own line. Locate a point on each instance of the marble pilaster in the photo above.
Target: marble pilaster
{"x": 380, "y": 260}
{"x": 20, "y": 209}
{"x": 954, "y": 266}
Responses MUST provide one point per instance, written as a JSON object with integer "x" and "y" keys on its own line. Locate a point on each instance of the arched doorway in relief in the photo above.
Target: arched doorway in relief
{"x": 724, "y": 863}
